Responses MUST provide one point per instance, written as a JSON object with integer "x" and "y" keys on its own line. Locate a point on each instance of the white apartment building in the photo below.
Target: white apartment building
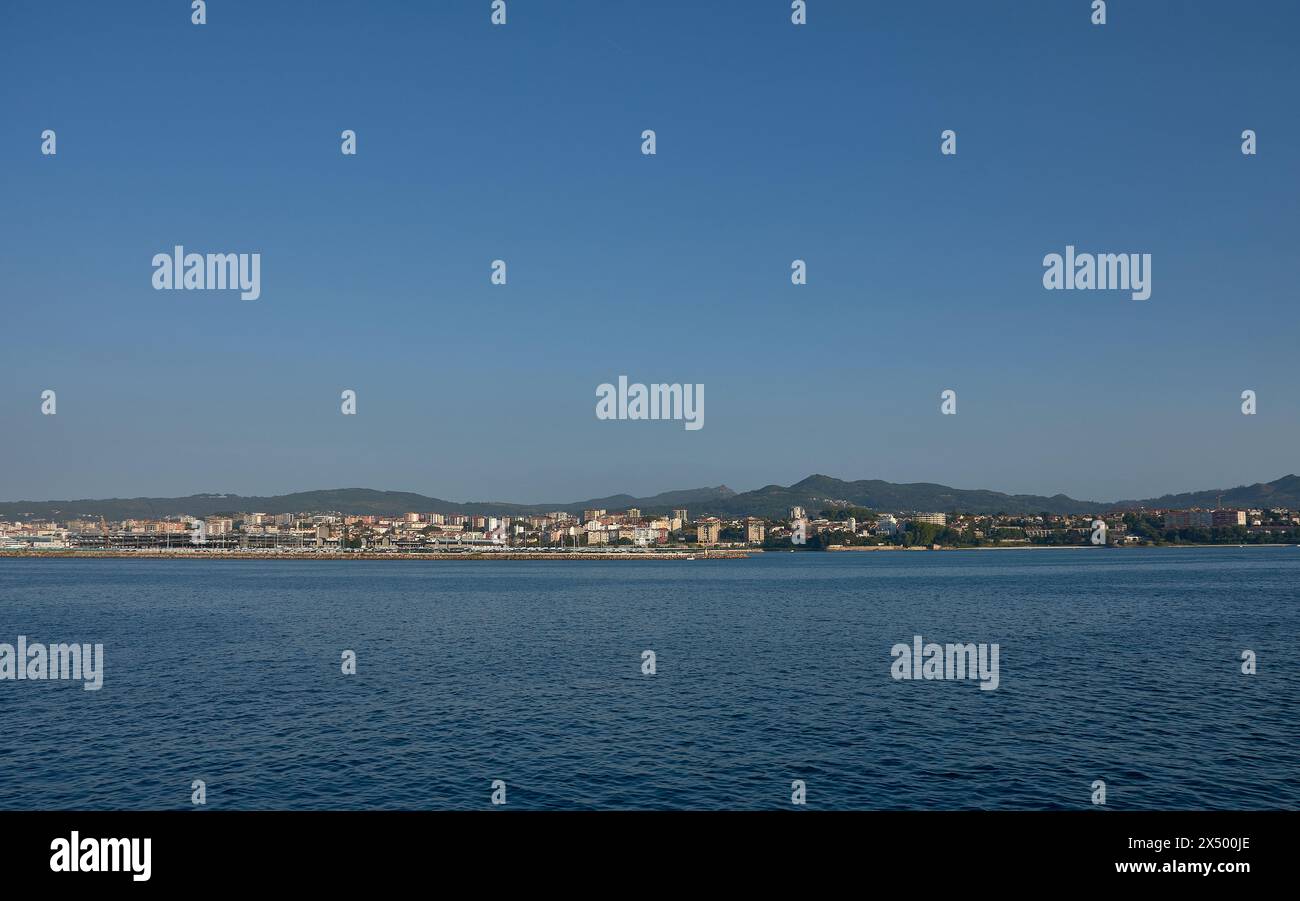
{"x": 934, "y": 519}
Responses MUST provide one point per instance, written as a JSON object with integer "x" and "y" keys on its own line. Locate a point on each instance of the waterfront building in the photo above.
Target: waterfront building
{"x": 1189, "y": 519}
{"x": 218, "y": 525}
{"x": 708, "y": 530}
{"x": 644, "y": 536}
{"x": 1223, "y": 519}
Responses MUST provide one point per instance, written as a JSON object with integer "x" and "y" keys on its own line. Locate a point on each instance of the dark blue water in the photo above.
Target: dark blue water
{"x": 1115, "y": 665}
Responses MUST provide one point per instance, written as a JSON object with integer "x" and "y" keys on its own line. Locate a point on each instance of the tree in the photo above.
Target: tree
{"x": 922, "y": 533}
{"x": 840, "y": 514}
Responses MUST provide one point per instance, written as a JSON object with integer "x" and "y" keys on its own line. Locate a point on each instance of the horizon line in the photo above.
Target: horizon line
{"x": 215, "y": 495}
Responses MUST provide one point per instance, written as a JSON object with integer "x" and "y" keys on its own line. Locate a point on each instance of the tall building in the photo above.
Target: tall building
{"x": 798, "y": 513}
{"x": 220, "y": 525}
{"x": 1223, "y": 519}
{"x": 1189, "y": 519}
{"x": 646, "y": 536}
{"x": 680, "y": 513}
{"x": 755, "y": 530}
{"x": 708, "y": 530}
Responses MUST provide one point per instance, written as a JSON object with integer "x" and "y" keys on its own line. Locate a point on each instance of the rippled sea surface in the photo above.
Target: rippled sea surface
{"x": 1116, "y": 665}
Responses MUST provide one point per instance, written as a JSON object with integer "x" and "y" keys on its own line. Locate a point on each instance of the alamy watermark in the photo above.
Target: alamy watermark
{"x": 946, "y": 661}
{"x": 75, "y": 854}
{"x": 1098, "y": 272}
{"x": 38, "y": 662}
{"x": 638, "y": 401}
{"x": 208, "y": 272}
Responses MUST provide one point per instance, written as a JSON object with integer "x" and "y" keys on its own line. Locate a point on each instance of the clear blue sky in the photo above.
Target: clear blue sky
{"x": 522, "y": 142}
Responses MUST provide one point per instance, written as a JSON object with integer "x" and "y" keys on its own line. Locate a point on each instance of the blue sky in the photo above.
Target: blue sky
{"x": 522, "y": 142}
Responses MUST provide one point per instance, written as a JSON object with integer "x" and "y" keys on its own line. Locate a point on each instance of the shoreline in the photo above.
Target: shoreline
{"x": 837, "y": 548}
{"x": 685, "y": 555}
{"x": 185, "y": 554}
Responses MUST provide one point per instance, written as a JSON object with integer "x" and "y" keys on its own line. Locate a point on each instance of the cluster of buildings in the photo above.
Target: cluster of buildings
{"x": 631, "y": 527}
{"x": 409, "y": 531}
{"x": 1212, "y": 519}
{"x": 964, "y": 529}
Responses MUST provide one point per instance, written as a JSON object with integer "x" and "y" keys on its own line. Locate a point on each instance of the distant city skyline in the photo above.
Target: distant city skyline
{"x": 522, "y": 143}
{"x": 317, "y": 527}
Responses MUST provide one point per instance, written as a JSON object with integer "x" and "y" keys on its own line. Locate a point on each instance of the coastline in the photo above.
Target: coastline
{"x": 1051, "y": 547}
{"x": 683, "y": 555}
{"x": 186, "y": 554}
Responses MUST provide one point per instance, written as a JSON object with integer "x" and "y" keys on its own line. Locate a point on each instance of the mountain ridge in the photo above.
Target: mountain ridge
{"x": 814, "y": 493}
